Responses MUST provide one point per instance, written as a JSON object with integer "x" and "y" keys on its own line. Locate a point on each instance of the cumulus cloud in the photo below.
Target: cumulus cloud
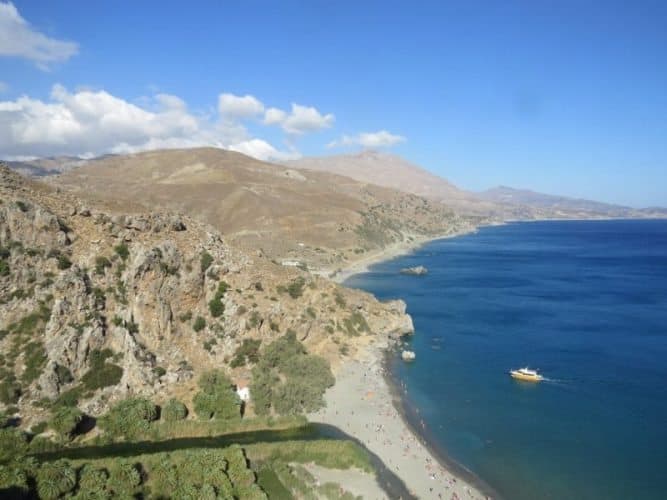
{"x": 300, "y": 120}
{"x": 274, "y": 116}
{"x": 378, "y": 139}
{"x": 94, "y": 122}
{"x": 262, "y": 150}
{"x": 19, "y": 39}
{"x": 235, "y": 106}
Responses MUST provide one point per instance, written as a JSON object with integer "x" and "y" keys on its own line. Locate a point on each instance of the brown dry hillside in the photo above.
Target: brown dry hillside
{"x": 392, "y": 171}
{"x": 319, "y": 218}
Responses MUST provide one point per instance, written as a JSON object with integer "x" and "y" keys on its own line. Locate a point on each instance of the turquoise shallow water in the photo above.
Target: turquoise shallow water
{"x": 586, "y": 303}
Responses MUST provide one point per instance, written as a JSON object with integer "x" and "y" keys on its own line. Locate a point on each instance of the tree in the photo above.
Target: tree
{"x": 174, "y": 410}
{"x": 289, "y": 380}
{"x": 93, "y": 482}
{"x": 205, "y": 260}
{"x": 13, "y": 444}
{"x": 54, "y": 479}
{"x": 129, "y": 418}
{"x": 65, "y": 420}
{"x": 124, "y": 479}
{"x": 217, "y": 397}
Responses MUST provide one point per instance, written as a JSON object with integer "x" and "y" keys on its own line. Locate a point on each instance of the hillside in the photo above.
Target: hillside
{"x": 383, "y": 169}
{"x": 318, "y": 219}
{"x": 97, "y": 305}
{"x": 552, "y": 206}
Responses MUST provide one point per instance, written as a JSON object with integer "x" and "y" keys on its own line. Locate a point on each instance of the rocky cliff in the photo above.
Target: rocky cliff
{"x": 96, "y": 304}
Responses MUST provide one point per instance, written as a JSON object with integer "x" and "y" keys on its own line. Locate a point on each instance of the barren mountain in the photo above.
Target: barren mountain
{"x": 392, "y": 171}
{"x": 97, "y": 304}
{"x": 552, "y": 206}
{"x": 317, "y": 218}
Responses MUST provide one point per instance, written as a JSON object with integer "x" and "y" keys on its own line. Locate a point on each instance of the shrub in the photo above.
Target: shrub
{"x": 38, "y": 428}
{"x": 174, "y": 410}
{"x": 247, "y": 352}
{"x": 122, "y": 250}
{"x": 65, "y": 421}
{"x": 216, "y": 307}
{"x": 35, "y": 359}
{"x": 199, "y": 324}
{"x": 42, "y": 444}
{"x": 64, "y": 262}
{"x": 4, "y": 268}
{"x": 93, "y": 482}
{"x": 101, "y": 264}
{"x": 10, "y": 392}
{"x": 216, "y": 398}
{"x": 129, "y": 418}
{"x": 205, "y": 260}
{"x": 295, "y": 289}
{"x": 13, "y": 444}
{"x": 124, "y": 479}
{"x": 185, "y": 317}
{"x": 55, "y": 479}
{"x": 289, "y": 380}
{"x": 159, "y": 371}
{"x": 101, "y": 373}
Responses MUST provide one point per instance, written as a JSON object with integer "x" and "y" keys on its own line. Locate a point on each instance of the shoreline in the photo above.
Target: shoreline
{"x": 440, "y": 476}
{"x": 456, "y": 469}
{"x": 363, "y": 405}
{"x": 391, "y": 252}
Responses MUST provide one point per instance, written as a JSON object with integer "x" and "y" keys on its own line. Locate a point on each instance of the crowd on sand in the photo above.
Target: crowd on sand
{"x": 361, "y": 404}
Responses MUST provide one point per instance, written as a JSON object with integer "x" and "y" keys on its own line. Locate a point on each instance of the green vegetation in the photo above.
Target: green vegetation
{"x": 205, "y": 261}
{"x": 55, "y": 479}
{"x": 34, "y": 359}
{"x": 216, "y": 307}
{"x": 216, "y": 398}
{"x": 173, "y": 411}
{"x": 101, "y": 373}
{"x": 356, "y": 324}
{"x": 65, "y": 421}
{"x": 4, "y": 265}
{"x": 255, "y": 320}
{"x": 64, "y": 262}
{"x": 199, "y": 324}
{"x": 288, "y": 380}
{"x": 129, "y": 418}
{"x": 101, "y": 265}
{"x": 247, "y": 352}
{"x": 122, "y": 250}
{"x": 185, "y": 317}
{"x": 295, "y": 288}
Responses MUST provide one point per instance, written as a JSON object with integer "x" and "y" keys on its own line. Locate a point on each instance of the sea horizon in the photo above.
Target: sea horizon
{"x": 553, "y": 252}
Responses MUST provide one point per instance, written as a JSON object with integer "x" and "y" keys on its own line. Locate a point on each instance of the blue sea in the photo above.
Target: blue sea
{"x": 585, "y": 302}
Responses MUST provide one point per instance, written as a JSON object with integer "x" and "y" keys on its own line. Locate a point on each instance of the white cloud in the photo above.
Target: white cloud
{"x": 378, "y": 139}
{"x": 300, "y": 120}
{"x": 274, "y": 116}
{"x": 94, "y": 122}
{"x": 262, "y": 150}
{"x": 19, "y": 39}
{"x": 3, "y": 87}
{"x": 234, "y": 106}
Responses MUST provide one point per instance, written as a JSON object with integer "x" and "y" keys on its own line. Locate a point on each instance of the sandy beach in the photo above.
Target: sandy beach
{"x": 361, "y": 404}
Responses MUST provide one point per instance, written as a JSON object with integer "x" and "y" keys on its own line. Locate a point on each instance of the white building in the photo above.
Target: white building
{"x": 244, "y": 393}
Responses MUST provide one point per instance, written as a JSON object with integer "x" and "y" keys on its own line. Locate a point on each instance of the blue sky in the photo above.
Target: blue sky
{"x": 566, "y": 97}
